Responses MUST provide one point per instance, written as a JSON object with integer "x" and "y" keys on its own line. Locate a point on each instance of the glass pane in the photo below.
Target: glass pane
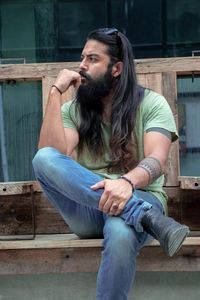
{"x": 183, "y": 27}
{"x": 139, "y": 20}
{"x": 75, "y": 20}
{"x": 189, "y": 124}
{"x": 55, "y": 30}
{"x": 17, "y": 31}
{"x": 183, "y": 20}
{"x": 20, "y": 122}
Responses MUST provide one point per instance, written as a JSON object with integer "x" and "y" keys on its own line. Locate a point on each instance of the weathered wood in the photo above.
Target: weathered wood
{"x": 169, "y": 91}
{"x": 169, "y": 84}
{"x": 190, "y": 208}
{"x": 151, "y": 81}
{"x": 34, "y": 71}
{"x": 16, "y": 216}
{"x": 189, "y": 182}
{"x": 16, "y": 188}
{"x": 37, "y": 261}
{"x": 174, "y": 203}
{"x": 58, "y": 241}
{"x": 64, "y": 255}
{"x": 172, "y": 166}
{"x": 181, "y": 65}
{"x": 157, "y": 74}
{"x": 154, "y": 259}
{"x": 15, "y": 212}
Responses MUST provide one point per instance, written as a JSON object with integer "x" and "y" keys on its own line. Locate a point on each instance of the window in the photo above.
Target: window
{"x": 55, "y": 30}
{"x": 189, "y": 124}
{"x": 20, "y": 119}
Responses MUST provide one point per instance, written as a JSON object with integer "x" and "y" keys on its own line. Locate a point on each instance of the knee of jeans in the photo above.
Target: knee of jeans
{"x": 120, "y": 239}
{"x": 44, "y": 159}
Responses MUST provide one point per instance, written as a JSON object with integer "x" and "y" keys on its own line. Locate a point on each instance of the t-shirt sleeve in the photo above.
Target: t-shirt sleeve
{"x": 69, "y": 115}
{"x": 157, "y": 113}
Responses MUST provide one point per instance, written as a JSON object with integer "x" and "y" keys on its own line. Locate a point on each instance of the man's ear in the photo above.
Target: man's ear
{"x": 117, "y": 68}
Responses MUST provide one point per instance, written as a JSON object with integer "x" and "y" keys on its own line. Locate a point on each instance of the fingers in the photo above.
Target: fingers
{"x": 104, "y": 197}
{"x": 66, "y": 78}
{"x": 113, "y": 198}
{"x": 98, "y": 185}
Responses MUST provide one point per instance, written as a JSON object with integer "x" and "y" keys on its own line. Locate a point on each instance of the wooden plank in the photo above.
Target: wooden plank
{"x": 181, "y": 65}
{"x": 16, "y": 218}
{"x": 51, "y": 241}
{"x": 190, "y": 208}
{"x": 169, "y": 83}
{"x": 151, "y": 81}
{"x": 41, "y": 261}
{"x": 172, "y": 166}
{"x": 58, "y": 241}
{"x": 16, "y": 188}
{"x": 34, "y": 71}
{"x": 73, "y": 258}
{"x": 189, "y": 182}
{"x": 174, "y": 203}
{"x": 154, "y": 259}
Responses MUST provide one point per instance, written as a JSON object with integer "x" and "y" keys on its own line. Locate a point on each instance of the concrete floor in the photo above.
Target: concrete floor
{"x": 148, "y": 285}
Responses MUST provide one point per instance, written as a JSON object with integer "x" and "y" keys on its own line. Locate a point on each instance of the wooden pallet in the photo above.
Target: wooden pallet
{"x": 66, "y": 253}
{"x": 55, "y": 249}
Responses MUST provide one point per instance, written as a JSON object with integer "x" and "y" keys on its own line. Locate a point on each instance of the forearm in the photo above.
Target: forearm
{"x": 146, "y": 172}
{"x": 52, "y": 131}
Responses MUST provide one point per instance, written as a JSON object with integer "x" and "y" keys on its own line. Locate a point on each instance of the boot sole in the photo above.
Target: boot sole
{"x": 176, "y": 239}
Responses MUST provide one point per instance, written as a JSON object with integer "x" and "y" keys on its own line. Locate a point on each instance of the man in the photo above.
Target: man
{"x": 122, "y": 135}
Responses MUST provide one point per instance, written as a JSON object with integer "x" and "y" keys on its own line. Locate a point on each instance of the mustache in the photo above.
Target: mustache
{"x": 85, "y": 75}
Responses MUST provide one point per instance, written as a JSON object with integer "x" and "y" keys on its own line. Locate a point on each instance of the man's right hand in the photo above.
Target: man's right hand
{"x": 66, "y": 78}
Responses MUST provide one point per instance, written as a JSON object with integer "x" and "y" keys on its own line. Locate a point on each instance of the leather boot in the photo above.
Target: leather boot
{"x": 167, "y": 231}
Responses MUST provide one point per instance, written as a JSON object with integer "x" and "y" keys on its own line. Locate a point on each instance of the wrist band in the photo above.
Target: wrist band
{"x": 128, "y": 180}
{"x": 53, "y": 85}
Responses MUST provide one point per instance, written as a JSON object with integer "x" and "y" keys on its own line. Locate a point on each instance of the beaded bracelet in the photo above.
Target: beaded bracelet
{"x": 128, "y": 180}
{"x": 53, "y": 85}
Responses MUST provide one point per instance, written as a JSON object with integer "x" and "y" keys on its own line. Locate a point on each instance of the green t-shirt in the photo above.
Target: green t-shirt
{"x": 154, "y": 111}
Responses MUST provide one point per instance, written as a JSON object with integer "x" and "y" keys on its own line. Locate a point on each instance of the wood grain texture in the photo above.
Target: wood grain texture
{"x": 189, "y": 182}
{"x": 16, "y": 215}
{"x": 17, "y": 188}
{"x": 74, "y": 255}
{"x": 158, "y": 74}
{"x": 36, "y": 71}
{"x": 16, "y": 218}
{"x": 151, "y": 81}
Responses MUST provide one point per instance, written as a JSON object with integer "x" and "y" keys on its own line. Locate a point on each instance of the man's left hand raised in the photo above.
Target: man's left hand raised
{"x": 115, "y": 191}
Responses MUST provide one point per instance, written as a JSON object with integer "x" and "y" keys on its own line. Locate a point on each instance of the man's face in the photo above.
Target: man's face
{"x": 95, "y": 60}
{"x": 96, "y": 73}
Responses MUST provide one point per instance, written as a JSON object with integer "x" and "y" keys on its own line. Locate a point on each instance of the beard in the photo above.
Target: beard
{"x": 89, "y": 95}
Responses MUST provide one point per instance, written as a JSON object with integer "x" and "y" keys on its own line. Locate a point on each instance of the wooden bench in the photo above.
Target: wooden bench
{"x": 45, "y": 243}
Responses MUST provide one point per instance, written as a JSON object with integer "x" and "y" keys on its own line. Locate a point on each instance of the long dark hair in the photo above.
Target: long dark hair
{"x": 127, "y": 97}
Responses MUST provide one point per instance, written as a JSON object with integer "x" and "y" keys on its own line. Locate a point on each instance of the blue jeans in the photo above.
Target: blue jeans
{"x": 67, "y": 186}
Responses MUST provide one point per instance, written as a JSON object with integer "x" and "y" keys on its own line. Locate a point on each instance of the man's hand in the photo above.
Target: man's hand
{"x": 115, "y": 191}
{"x": 66, "y": 78}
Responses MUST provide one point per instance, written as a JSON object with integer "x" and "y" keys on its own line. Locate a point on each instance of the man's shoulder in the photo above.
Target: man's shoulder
{"x": 152, "y": 100}
{"x": 152, "y": 96}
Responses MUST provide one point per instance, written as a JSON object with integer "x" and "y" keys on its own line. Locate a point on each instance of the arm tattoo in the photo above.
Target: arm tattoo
{"x": 153, "y": 168}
